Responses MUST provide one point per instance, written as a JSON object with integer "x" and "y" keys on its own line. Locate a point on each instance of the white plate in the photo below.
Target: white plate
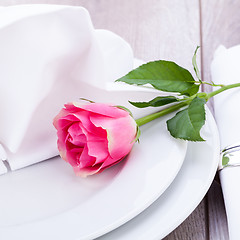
{"x": 182, "y": 197}
{"x": 47, "y": 201}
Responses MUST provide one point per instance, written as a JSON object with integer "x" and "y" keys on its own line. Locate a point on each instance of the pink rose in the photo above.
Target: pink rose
{"x": 94, "y": 136}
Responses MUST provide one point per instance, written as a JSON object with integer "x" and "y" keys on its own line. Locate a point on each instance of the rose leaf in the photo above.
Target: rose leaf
{"x": 187, "y": 123}
{"x": 156, "y": 102}
{"x": 162, "y": 75}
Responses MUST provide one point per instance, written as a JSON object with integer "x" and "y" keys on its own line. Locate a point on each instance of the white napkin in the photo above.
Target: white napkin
{"x": 225, "y": 69}
{"x": 51, "y": 55}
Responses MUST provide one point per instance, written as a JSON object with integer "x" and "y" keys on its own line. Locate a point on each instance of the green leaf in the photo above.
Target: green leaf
{"x": 187, "y": 123}
{"x": 162, "y": 75}
{"x": 156, "y": 102}
{"x": 192, "y": 90}
{"x": 194, "y": 63}
{"x": 225, "y": 160}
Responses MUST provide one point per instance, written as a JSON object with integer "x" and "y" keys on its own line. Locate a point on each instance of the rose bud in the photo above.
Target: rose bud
{"x": 94, "y": 136}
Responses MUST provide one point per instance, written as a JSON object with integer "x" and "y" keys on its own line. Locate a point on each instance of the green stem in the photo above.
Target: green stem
{"x": 143, "y": 120}
{"x": 211, "y": 84}
{"x": 213, "y": 93}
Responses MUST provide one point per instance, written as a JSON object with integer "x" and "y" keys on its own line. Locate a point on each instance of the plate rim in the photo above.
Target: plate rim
{"x": 154, "y": 233}
{"x": 120, "y": 221}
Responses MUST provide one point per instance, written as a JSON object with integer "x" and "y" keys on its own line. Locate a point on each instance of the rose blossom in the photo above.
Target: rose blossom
{"x": 94, "y": 136}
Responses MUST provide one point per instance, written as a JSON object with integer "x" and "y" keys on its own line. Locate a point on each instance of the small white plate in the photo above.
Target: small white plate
{"x": 184, "y": 194}
{"x": 47, "y": 201}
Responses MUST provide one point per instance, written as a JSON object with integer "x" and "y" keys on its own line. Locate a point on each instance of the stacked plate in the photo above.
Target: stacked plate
{"x": 146, "y": 196}
{"x": 157, "y": 187}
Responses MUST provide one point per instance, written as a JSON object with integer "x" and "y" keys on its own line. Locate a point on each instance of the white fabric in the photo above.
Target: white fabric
{"x": 51, "y": 55}
{"x": 225, "y": 69}
{"x": 3, "y": 157}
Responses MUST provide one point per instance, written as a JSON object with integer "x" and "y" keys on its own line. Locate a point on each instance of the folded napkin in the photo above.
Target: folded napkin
{"x": 51, "y": 55}
{"x": 225, "y": 69}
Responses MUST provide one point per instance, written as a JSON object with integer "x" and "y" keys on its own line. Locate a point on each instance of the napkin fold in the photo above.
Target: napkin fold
{"x": 225, "y": 69}
{"x": 51, "y": 55}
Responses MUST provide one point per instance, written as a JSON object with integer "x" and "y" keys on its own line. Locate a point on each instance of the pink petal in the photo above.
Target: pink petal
{"x": 89, "y": 126}
{"x": 61, "y": 143}
{"x": 103, "y": 109}
{"x": 73, "y": 155}
{"x": 97, "y": 145}
{"x": 109, "y": 163}
{"x": 84, "y": 172}
{"x": 121, "y": 134}
{"x": 62, "y": 113}
{"x": 85, "y": 159}
{"x": 66, "y": 121}
{"x": 72, "y": 108}
{"x": 77, "y": 136}
{"x": 99, "y": 150}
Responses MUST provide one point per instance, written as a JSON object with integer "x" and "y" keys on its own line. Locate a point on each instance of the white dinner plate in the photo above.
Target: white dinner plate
{"x": 184, "y": 194}
{"x": 47, "y": 201}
